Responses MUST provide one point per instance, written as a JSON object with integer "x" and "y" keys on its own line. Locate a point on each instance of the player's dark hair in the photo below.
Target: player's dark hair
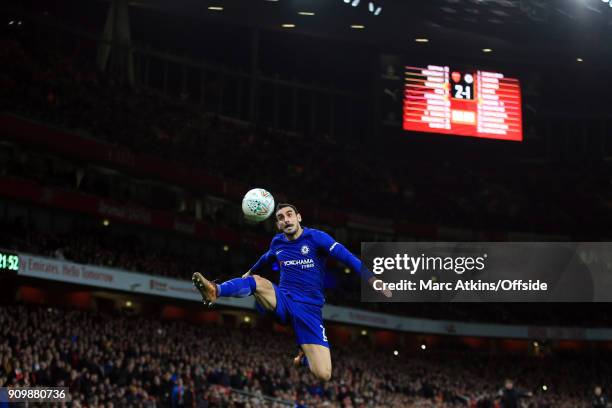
{"x": 280, "y": 206}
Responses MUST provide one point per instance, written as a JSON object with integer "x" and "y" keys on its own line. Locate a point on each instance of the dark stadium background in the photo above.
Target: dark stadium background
{"x": 140, "y": 165}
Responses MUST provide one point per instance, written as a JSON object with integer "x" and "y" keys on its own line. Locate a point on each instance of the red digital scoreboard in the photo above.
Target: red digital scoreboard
{"x": 481, "y": 104}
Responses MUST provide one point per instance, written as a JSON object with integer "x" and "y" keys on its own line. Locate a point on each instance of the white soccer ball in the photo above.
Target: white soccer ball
{"x": 257, "y": 205}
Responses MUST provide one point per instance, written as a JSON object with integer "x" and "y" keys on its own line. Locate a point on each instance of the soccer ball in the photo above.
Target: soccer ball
{"x": 257, "y": 205}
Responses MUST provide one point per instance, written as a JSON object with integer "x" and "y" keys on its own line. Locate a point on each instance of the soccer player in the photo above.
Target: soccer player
{"x": 298, "y": 299}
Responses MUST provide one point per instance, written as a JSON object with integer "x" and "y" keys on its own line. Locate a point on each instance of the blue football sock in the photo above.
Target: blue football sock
{"x": 239, "y": 287}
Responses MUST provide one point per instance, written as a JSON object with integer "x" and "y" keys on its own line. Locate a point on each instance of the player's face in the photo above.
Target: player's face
{"x": 288, "y": 221}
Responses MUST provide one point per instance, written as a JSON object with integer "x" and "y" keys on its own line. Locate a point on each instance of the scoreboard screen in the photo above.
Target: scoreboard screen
{"x": 438, "y": 99}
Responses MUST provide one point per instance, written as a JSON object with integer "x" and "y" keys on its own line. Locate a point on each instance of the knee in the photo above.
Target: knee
{"x": 261, "y": 283}
{"x": 322, "y": 373}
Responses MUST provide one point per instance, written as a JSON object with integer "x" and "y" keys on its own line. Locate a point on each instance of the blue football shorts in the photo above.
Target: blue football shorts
{"x": 306, "y": 319}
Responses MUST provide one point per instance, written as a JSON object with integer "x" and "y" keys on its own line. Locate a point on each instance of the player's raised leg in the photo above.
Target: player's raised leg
{"x": 265, "y": 294}
{"x": 239, "y": 287}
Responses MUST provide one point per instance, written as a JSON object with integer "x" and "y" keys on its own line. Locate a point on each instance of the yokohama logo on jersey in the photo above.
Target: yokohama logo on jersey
{"x": 304, "y": 263}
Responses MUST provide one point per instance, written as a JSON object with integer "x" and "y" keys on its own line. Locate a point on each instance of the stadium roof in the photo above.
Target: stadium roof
{"x": 516, "y": 30}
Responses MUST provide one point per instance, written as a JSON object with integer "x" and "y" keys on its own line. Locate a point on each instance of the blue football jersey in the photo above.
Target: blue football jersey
{"x": 302, "y": 263}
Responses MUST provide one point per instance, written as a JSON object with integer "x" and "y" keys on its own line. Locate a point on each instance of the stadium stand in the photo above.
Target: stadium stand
{"x": 110, "y": 361}
{"x": 62, "y": 91}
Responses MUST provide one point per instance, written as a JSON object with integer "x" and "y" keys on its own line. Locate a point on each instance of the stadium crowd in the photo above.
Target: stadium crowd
{"x": 108, "y": 361}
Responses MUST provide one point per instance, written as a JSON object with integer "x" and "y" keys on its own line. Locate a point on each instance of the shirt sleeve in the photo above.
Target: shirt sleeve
{"x": 339, "y": 252}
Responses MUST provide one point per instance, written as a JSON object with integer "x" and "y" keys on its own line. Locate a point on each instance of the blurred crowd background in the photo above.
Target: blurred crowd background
{"x": 115, "y": 361}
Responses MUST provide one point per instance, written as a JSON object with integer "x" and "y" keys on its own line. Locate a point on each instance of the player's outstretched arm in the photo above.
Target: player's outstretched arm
{"x": 340, "y": 253}
{"x": 265, "y": 259}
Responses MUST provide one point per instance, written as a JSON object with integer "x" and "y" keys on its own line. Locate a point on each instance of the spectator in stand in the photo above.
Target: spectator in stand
{"x": 509, "y": 396}
{"x": 599, "y": 399}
